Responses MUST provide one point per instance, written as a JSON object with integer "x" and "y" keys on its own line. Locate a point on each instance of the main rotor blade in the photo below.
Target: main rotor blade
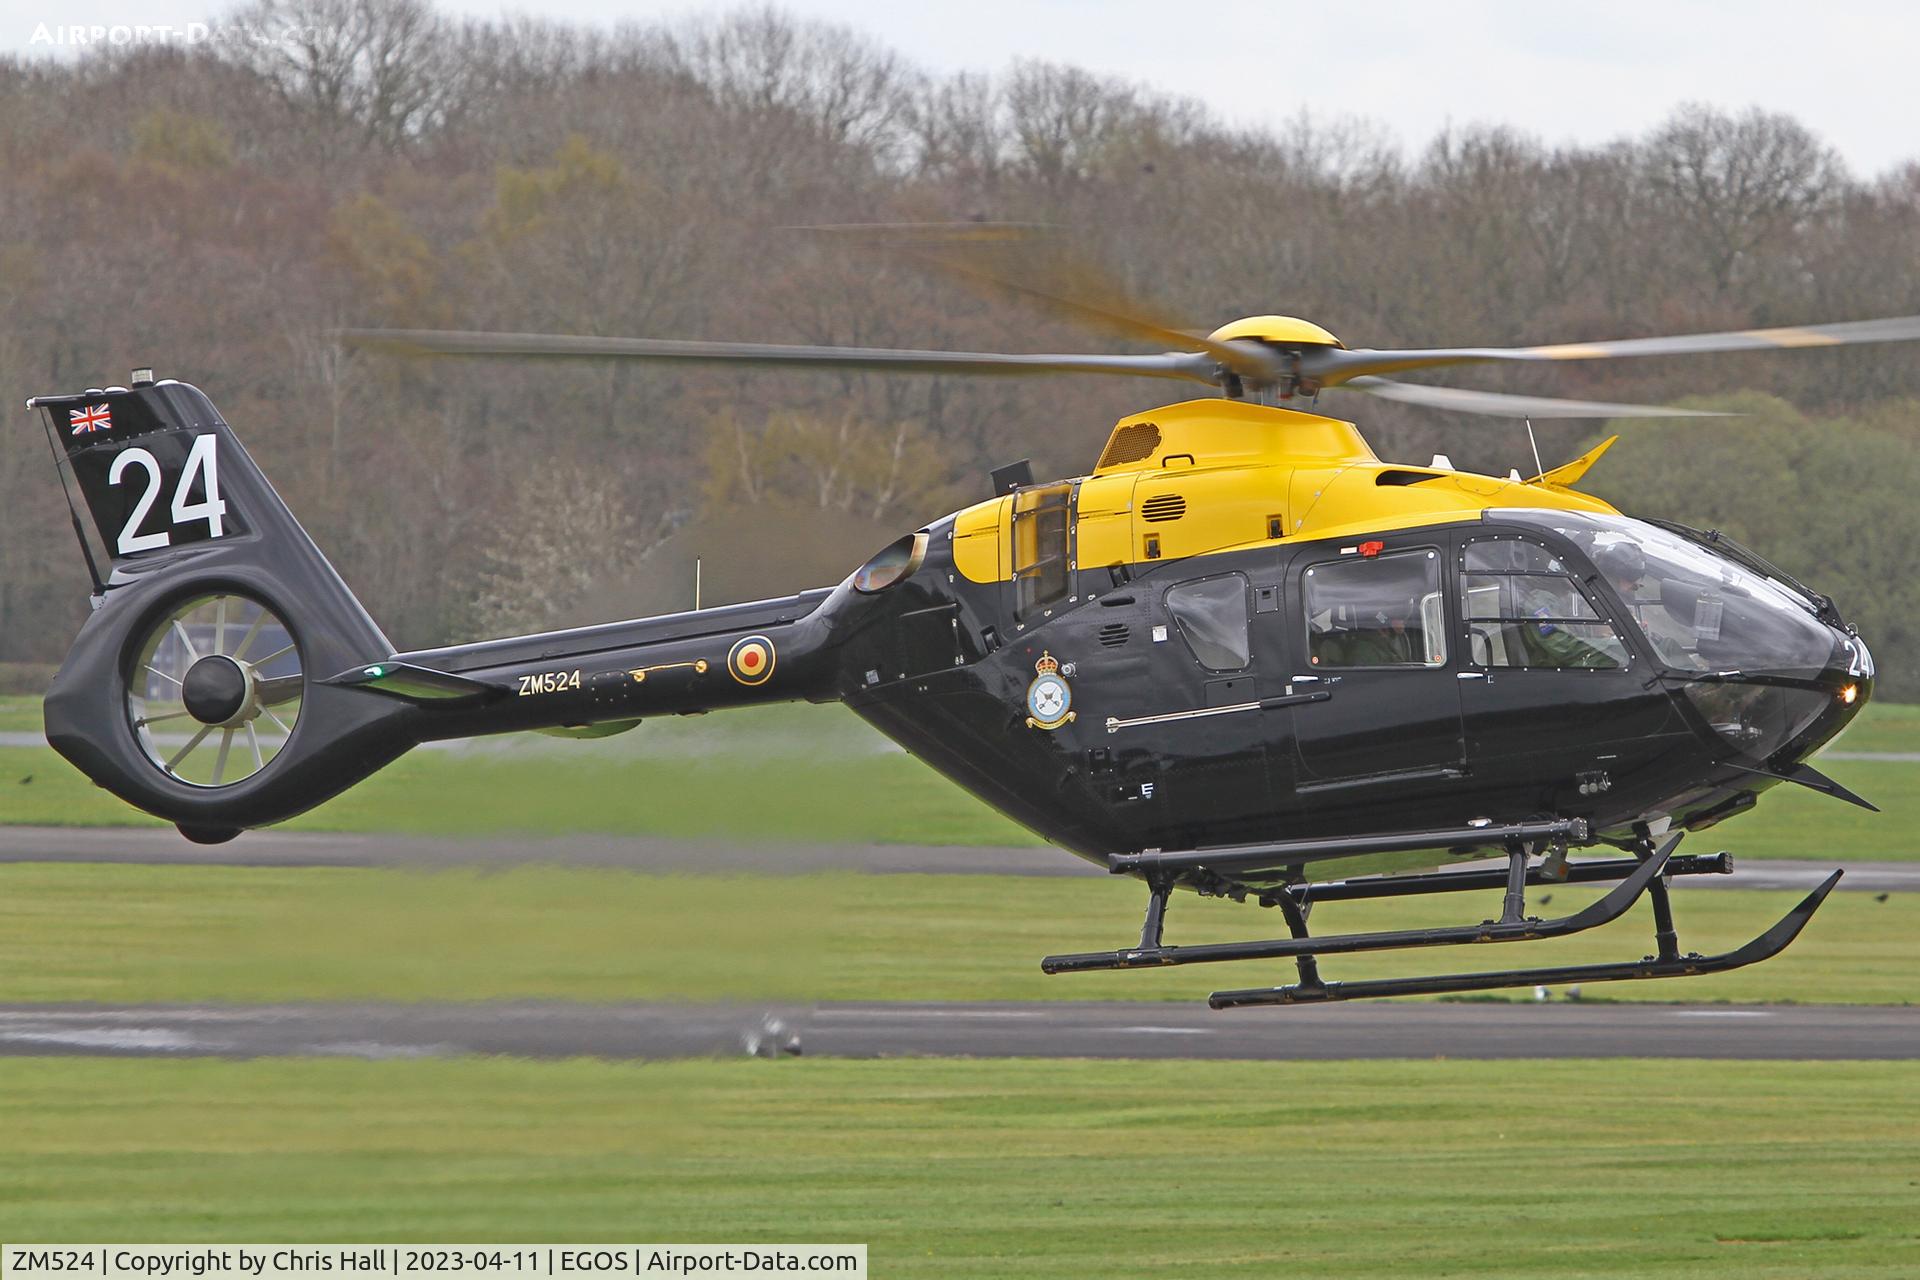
{"x": 1195, "y": 366}
{"x": 1332, "y": 366}
{"x": 1025, "y": 260}
{"x": 1499, "y": 405}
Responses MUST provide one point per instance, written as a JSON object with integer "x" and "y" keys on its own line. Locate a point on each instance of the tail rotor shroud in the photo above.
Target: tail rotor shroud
{"x": 215, "y": 690}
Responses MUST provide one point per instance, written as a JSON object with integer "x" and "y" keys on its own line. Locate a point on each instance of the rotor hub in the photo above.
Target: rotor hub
{"x": 218, "y": 690}
{"x": 1283, "y": 331}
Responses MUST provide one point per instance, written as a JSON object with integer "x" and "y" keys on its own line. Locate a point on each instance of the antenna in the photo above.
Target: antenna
{"x": 1538, "y": 470}
{"x": 696, "y": 584}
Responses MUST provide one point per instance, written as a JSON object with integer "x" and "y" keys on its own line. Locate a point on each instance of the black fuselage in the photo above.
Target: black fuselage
{"x": 1162, "y": 752}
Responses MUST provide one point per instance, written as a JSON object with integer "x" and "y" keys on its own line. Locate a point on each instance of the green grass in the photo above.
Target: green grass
{"x": 876, "y": 798}
{"x": 954, "y": 1169}
{"x": 1793, "y": 822}
{"x": 818, "y": 773}
{"x": 1882, "y": 726}
{"x": 764, "y": 773}
{"x": 142, "y": 933}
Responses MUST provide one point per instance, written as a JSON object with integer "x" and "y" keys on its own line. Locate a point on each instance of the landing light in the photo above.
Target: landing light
{"x": 1848, "y": 694}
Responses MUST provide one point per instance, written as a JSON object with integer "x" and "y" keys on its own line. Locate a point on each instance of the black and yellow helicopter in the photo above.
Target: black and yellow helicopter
{"x": 1242, "y": 656}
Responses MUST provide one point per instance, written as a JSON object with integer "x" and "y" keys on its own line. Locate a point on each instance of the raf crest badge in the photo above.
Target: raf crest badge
{"x": 1049, "y": 697}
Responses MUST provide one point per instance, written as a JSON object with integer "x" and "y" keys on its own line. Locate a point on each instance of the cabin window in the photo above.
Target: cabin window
{"x": 1511, "y": 555}
{"x": 1212, "y": 617}
{"x": 1041, "y": 554}
{"x": 1523, "y": 609}
{"x": 1380, "y": 612}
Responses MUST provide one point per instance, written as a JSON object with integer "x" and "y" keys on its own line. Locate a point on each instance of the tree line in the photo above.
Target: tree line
{"x": 219, "y": 210}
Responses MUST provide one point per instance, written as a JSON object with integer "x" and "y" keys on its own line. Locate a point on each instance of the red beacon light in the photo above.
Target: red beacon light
{"x": 1372, "y": 549}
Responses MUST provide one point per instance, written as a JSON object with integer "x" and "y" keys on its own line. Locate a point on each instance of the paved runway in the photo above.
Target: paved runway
{"x": 163, "y": 846}
{"x": 1479, "y": 1030}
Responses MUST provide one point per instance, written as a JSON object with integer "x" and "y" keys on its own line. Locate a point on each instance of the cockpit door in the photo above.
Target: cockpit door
{"x": 1551, "y": 690}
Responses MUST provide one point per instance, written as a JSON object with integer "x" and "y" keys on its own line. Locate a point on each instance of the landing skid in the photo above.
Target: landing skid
{"x": 1513, "y": 927}
{"x": 1765, "y": 947}
{"x": 1646, "y": 874}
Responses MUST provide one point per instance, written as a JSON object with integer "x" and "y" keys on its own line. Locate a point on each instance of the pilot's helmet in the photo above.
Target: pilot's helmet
{"x": 1622, "y": 563}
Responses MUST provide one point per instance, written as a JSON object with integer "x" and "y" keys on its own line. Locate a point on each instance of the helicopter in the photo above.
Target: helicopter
{"x": 1242, "y": 656}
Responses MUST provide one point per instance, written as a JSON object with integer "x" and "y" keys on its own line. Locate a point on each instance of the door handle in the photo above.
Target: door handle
{"x": 1471, "y": 675}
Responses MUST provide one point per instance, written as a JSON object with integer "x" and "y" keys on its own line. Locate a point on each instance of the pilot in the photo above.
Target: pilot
{"x": 1626, "y": 568}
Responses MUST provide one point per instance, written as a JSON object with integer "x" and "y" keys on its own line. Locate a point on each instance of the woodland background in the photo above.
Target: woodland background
{"x": 216, "y": 211}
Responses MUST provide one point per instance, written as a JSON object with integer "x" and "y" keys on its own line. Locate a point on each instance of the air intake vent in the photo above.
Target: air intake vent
{"x": 1131, "y": 443}
{"x": 1163, "y": 506}
{"x": 1113, "y": 635}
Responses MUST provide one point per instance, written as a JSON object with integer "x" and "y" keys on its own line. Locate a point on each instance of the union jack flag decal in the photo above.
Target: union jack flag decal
{"x": 92, "y": 418}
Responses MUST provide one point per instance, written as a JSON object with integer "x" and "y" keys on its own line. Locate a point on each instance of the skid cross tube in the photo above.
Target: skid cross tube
{"x": 1609, "y": 908}
{"x": 1697, "y": 864}
{"x": 1553, "y": 831}
{"x": 1765, "y": 947}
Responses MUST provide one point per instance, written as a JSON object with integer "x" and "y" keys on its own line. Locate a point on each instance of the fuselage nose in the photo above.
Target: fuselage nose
{"x": 1857, "y": 691}
{"x": 1848, "y": 681}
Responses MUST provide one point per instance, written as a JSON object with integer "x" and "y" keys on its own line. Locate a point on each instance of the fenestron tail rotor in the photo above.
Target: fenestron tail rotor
{"x": 215, "y": 689}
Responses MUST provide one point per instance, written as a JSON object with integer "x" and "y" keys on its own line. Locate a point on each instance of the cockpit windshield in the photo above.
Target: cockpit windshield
{"x": 1700, "y": 611}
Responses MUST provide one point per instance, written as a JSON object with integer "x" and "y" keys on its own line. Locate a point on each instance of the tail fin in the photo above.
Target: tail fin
{"x": 196, "y": 690}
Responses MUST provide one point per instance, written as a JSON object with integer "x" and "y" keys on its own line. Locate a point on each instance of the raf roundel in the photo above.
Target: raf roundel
{"x": 751, "y": 659}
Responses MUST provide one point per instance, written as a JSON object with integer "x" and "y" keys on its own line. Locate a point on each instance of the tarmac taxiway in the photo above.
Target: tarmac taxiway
{"x": 557, "y": 1029}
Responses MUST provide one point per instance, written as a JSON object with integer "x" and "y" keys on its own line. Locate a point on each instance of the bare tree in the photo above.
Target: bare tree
{"x": 1733, "y": 186}
{"x": 369, "y": 67}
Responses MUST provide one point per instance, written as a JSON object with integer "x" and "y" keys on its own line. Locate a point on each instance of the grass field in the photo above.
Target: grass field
{"x": 1883, "y": 726}
{"x": 112, "y": 933}
{"x": 813, "y": 770}
{"x": 817, "y": 770}
{"x": 958, "y": 1169}
{"x": 1753, "y": 1170}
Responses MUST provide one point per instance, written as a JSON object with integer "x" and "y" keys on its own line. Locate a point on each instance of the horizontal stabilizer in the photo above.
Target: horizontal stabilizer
{"x": 416, "y": 683}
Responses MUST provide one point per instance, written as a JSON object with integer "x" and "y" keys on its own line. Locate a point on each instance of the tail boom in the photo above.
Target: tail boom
{"x": 172, "y": 699}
